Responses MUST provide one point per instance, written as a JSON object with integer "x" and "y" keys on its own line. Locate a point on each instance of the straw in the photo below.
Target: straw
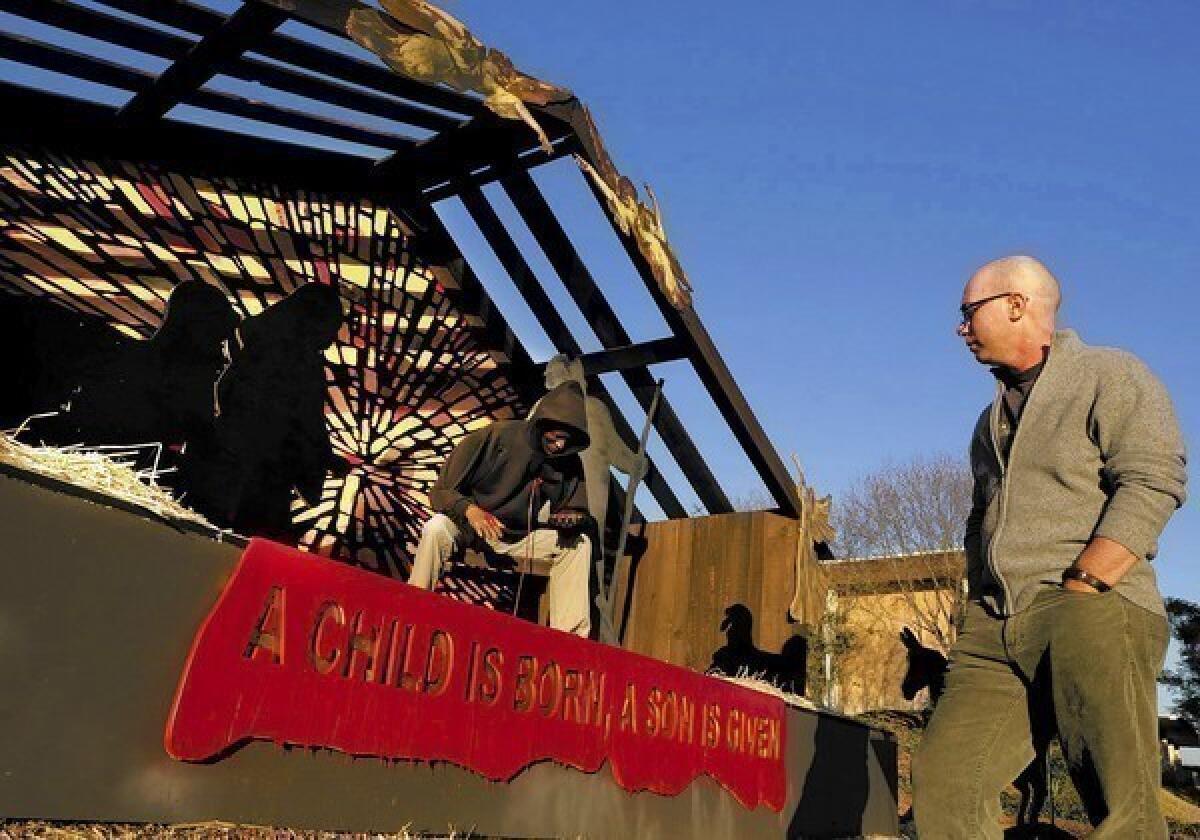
{"x": 102, "y": 472}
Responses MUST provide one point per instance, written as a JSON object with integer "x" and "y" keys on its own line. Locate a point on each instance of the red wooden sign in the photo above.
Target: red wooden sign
{"x": 301, "y": 650}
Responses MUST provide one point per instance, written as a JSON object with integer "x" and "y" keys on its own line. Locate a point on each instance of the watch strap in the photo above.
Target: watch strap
{"x": 1076, "y": 573}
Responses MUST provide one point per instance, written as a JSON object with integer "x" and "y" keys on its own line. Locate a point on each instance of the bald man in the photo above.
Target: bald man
{"x": 1078, "y": 464}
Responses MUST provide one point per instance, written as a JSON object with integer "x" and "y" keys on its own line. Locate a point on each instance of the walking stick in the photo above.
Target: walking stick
{"x": 605, "y": 600}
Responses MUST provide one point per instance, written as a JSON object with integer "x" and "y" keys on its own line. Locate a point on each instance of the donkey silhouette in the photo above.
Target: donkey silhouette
{"x": 927, "y": 669}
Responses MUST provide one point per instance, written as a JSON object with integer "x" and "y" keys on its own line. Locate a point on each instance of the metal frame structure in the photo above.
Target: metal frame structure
{"x": 435, "y": 143}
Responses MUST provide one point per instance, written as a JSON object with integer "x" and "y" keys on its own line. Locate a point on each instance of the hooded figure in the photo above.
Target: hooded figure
{"x": 509, "y": 486}
{"x": 269, "y": 436}
{"x": 606, "y": 449}
{"x": 504, "y": 469}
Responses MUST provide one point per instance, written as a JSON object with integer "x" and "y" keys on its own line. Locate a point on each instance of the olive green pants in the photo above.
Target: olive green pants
{"x": 1080, "y": 664}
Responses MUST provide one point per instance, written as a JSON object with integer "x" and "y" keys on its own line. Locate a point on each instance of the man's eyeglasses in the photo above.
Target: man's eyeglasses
{"x": 968, "y": 310}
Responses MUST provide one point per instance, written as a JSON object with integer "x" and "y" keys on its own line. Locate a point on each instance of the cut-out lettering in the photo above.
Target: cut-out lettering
{"x": 391, "y": 671}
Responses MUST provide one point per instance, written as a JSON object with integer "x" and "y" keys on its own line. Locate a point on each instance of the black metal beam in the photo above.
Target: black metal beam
{"x": 240, "y": 106}
{"x": 335, "y": 93}
{"x": 178, "y": 14}
{"x": 489, "y": 174}
{"x": 639, "y": 355}
{"x": 183, "y": 79}
{"x": 30, "y": 51}
{"x": 487, "y": 142}
{"x": 102, "y": 26}
{"x": 561, "y": 253}
{"x": 717, "y": 380}
{"x": 92, "y": 23}
{"x": 74, "y": 126}
{"x": 200, "y": 20}
{"x": 435, "y": 244}
{"x": 79, "y": 65}
{"x": 534, "y": 294}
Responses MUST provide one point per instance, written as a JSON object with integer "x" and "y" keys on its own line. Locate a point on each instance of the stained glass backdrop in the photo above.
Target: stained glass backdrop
{"x": 407, "y": 377}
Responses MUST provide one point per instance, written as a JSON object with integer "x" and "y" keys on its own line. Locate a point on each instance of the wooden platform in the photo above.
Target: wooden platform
{"x": 97, "y": 613}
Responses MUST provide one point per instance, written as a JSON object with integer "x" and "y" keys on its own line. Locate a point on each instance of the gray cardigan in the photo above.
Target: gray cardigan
{"x": 1097, "y": 453}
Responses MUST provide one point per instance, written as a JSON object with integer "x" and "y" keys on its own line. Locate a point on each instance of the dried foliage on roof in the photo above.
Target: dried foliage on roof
{"x": 432, "y": 46}
{"x": 644, "y": 224}
{"x": 420, "y": 41}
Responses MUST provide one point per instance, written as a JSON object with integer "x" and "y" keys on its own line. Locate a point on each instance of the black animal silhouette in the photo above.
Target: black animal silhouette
{"x": 927, "y": 669}
{"x": 51, "y": 349}
{"x": 740, "y": 657}
{"x": 269, "y": 435}
{"x": 127, "y": 391}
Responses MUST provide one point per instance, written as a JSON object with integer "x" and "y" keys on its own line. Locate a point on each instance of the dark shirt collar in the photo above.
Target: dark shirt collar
{"x": 1019, "y": 378}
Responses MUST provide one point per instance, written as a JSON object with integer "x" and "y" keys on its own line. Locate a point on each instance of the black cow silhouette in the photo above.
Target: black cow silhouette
{"x": 51, "y": 349}
{"x": 927, "y": 669}
{"x": 269, "y": 435}
{"x": 158, "y": 390}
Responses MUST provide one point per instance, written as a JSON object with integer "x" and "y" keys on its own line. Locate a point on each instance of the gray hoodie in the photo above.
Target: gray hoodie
{"x": 1097, "y": 453}
{"x": 493, "y": 467}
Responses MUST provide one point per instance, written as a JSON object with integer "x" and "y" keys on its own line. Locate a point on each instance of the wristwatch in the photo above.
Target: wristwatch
{"x": 1076, "y": 573}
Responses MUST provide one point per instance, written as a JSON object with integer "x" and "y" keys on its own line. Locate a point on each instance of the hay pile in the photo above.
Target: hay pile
{"x": 758, "y": 684}
{"x": 100, "y": 473}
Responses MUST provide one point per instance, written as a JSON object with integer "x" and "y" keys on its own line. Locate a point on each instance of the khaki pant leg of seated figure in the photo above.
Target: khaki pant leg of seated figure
{"x": 570, "y": 607}
{"x": 569, "y": 576}
{"x": 440, "y": 539}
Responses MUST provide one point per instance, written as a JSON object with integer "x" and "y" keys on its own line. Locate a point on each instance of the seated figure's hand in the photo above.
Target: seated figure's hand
{"x": 483, "y": 523}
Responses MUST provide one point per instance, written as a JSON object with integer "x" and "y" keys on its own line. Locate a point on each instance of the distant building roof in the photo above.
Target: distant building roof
{"x": 888, "y": 573}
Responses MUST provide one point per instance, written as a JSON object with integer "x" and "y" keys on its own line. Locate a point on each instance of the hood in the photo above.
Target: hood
{"x": 198, "y": 318}
{"x": 563, "y": 407}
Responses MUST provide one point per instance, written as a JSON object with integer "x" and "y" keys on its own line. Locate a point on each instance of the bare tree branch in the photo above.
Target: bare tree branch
{"x": 907, "y": 520}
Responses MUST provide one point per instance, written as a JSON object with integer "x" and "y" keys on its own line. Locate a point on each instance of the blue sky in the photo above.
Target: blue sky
{"x": 832, "y": 173}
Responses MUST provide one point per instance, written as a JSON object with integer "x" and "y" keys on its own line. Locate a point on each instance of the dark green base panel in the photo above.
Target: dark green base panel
{"x": 98, "y": 608}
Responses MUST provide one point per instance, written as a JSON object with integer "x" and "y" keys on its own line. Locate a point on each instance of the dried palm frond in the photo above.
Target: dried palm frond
{"x": 441, "y": 50}
{"x": 420, "y": 41}
{"x": 643, "y": 223}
